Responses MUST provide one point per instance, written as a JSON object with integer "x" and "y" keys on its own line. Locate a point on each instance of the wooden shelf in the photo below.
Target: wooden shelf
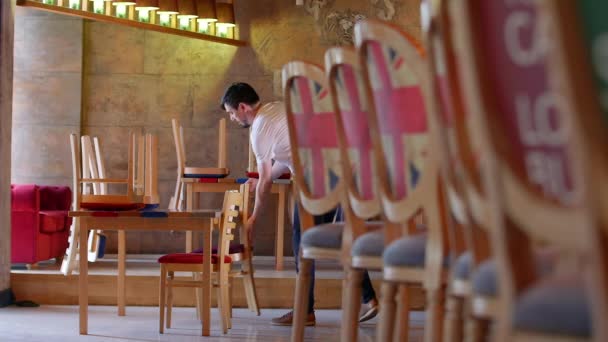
{"x": 128, "y": 22}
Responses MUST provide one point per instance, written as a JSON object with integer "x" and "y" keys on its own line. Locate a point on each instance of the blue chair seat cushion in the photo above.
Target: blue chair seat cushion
{"x": 406, "y": 252}
{"x": 462, "y": 266}
{"x": 484, "y": 277}
{"x": 556, "y": 305}
{"x": 328, "y": 235}
{"x": 369, "y": 244}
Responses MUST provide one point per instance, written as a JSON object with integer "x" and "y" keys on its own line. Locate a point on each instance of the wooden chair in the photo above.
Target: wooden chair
{"x": 532, "y": 170}
{"x": 193, "y": 262}
{"x": 362, "y": 242}
{"x": 406, "y": 148}
{"x": 91, "y": 180}
{"x": 469, "y": 245}
{"x": 185, "y": 171}
{"x": 318, "y": 178}
{"x": 576, "y": 32}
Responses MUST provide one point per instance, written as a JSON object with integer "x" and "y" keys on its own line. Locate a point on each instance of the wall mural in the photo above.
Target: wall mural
{"x": 336, "y": 18}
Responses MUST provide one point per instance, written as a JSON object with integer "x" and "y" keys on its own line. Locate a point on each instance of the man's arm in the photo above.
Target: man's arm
{"x": 267, "y": 173}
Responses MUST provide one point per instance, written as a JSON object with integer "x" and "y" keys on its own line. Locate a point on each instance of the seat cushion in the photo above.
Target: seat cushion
{"x": 233, "y": 249}
{"x": 52, "y": 221}
{"x": 369, "y": 244}
{"x": 190, "y": 258}
{"x": 462, "y": 266}
{"x": 327, "y": 235}
{"x": 406, "y": 252}
{"x": 555, "y": 306}
{"x": 484, "y": 278}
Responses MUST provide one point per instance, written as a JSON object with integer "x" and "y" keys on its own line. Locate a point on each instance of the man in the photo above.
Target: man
{"x": 270, "y": 144}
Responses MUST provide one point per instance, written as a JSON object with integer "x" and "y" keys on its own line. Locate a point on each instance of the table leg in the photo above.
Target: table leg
{"x": 122, "y": 279}
{"x": 280, "y": 235}
{"x": 83, "y": 295}
{"x": 189, "y": 207}
{"x": 206, "y": 297}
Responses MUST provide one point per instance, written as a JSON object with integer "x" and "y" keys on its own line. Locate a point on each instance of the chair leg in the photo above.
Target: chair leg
{"x": 386, "y": 322}
{"x": 403, "y": 314}
{"x": 434, "y": 314}
{"x": 249, "y": 283}
{"x": 230, "y": 293}
{"x": 221, "y": 306}
{"x": 453, "y": 321}
{"x": 477, "y": 329}
{"x": 198, "y": 293}
{"x": 351, "y": 302}
{"x": 301, "y": 300}
{"x": 169, "y": 298}
{"x": 161, "y": 298}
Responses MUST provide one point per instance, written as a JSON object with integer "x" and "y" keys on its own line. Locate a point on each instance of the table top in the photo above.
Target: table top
{"x": 157, "y": 213}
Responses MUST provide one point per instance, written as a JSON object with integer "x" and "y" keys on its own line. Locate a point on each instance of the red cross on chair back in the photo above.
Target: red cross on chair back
{"x": 316, "y": 137}
{"x": 353, "y": 111}
{"x": 535, "y": 132}
{"x": 401, "y": 115}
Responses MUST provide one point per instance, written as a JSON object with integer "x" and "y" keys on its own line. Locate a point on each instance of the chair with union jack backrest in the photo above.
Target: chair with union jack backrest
{"x": 362, "y": 239}
{"x": 533, "y": 174}
{"x": 467, "y": 242}
{"x": 406, "y": 148}
{"x": 318, "y": 179}
{"x": 578, "y": 33}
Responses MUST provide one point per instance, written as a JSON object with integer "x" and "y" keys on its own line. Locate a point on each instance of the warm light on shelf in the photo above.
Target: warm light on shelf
{"x": 166, "y": 9}
{"x": 187, "y": 11}
{"x": 207, "y": 14}
{"x": 225, "y": 19}
{"x": 144, "y": 7}
{"x": 121, "y": 8}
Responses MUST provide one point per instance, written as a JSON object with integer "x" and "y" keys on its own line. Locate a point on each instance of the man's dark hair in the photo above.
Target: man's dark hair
{"x": 239, "y": 92}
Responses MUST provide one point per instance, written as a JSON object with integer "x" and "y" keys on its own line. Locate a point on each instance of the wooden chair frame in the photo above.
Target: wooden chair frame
{"x": 426, "y": 196}
{"x": 310, "y": 204}
{"x": 513, "y": 228}
{"x": 232, "y": 208}
{"x": 358, "y": 209}
{"x": 571, "y": 78}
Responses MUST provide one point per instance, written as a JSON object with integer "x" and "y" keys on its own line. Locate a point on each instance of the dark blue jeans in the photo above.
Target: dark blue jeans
{"x": 367, "y": 290}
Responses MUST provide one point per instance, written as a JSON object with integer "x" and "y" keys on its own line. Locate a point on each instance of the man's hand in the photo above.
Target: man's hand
{"x": 253, "y": 183}
{"x": 249, "y": 225}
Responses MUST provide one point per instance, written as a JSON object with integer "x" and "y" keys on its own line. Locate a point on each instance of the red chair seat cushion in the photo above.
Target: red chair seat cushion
{"x": 233, "y": 249}
{"x": 257, "y": 175}
{"x": 190, "y": 258}
{"x": 52, "y": 221}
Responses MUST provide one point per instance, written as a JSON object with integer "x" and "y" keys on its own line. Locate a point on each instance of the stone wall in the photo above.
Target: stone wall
{"x": 136, "y": 79}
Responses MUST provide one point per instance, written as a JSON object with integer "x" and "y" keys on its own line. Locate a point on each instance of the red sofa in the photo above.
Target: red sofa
{"x": 40, "y": 224}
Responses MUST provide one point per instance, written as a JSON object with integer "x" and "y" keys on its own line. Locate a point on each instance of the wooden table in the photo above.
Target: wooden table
{"x": 122, "y": 221}
{"x": 281, "y": 189}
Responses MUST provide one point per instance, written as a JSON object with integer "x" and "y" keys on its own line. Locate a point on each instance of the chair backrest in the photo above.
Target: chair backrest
{"x": 397, "y": 86}
{"x": 231, "y": 209}
{"x": 350, "y": 105}
{"x": 450, "y": 117}
{"x": 87, "y": 172}
{"x": 578, "y": 39}
{"x": 531, "y": 160}
{"x": 312, "y": 132}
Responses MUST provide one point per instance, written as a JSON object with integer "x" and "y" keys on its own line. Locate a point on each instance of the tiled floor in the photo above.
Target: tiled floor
{"x": 60, "y": 324}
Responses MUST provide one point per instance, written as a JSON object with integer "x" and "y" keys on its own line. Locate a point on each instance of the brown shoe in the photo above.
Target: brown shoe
{"x": 287, "y": 319}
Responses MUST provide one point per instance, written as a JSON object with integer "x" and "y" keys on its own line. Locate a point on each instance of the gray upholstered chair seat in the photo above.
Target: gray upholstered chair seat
{"x": 554, "y": 306}
{"x": 406, "y": 252}
{"x": 328, "y": 235}
{"x": 370, "y": 244}
{"x": 462, "y": 266}
{"x": 484, "y": 277}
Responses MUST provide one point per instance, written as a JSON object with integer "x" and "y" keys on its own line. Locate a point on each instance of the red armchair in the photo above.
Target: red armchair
{"x": 40, "y": 224}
